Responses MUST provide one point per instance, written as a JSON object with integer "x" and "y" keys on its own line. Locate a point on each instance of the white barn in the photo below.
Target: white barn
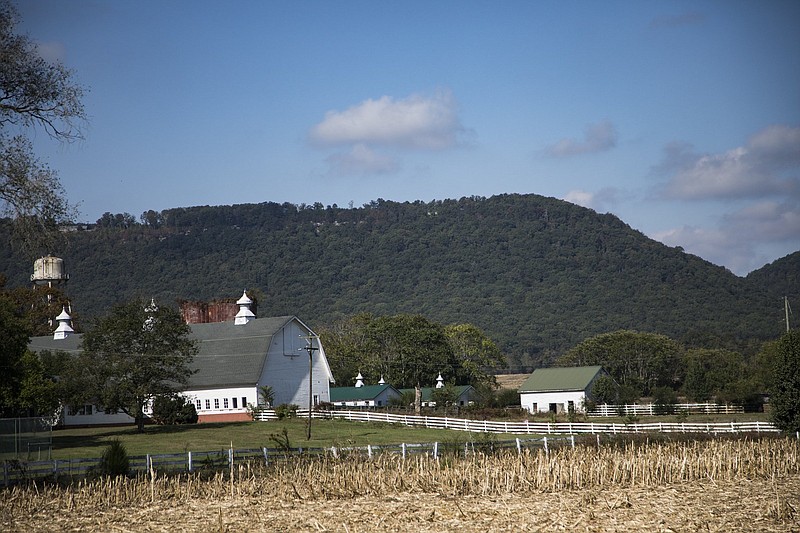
{"x": 559, "y": 390}
{"x": 235, "y": 358}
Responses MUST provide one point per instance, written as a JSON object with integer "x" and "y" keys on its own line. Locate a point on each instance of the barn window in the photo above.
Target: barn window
{"x": 208, "y": 404}
{"x": 244, "y": 401}
{"x": 216, "y": 403}
{"x": 235, "y": 401}
{"x": 198, "y": 404}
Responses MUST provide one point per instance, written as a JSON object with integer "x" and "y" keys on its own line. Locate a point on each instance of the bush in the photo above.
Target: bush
{"x": 664, "y": 400}
{"x": 115, "y": 461}
{"x": 286, "y": 410}
{"x": 173, "y": 409}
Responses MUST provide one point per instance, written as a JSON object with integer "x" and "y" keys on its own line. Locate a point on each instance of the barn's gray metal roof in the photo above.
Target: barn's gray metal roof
{"x": 231, "y": 355}
{"x": 228, "y": 355}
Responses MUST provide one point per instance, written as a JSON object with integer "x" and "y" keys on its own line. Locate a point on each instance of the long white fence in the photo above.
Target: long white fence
{"x": 650, "y": 409}
{"x": 542, "y": 428}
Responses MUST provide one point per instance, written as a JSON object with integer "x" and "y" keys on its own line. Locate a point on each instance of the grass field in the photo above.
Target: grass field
{"x": 90, "y": 442}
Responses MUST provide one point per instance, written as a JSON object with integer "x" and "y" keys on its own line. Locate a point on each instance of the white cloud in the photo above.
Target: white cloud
{"x": 418, "y": 122}
{"x": 599, "y": 201}
{"x": 740, "y": 236}
{"x": 361, "y": 160}
{"x": 598, "y": 137}
{"x": 768, "y": 164}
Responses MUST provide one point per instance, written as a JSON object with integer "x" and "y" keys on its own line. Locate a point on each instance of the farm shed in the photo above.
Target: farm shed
{"x": 235, "y": 358}
{"x": 559, "y": 390}
{"x": 364, "y": 396}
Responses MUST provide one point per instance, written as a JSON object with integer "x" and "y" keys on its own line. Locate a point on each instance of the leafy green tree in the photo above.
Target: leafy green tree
{"x": 638, "y": 360}
{"x": 785, "y": 387}
{"x": 133, "y": 354}
{"x": 605, "y": 390}
{"x": 33, "y": 93}
{"x": 445, "y": 397}
{"x": 664, "y": 400}
{"x": 13, "y": 347}
{"x": 476, "y": 354}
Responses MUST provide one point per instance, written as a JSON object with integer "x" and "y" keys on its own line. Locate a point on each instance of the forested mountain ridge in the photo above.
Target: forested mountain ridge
{"x": 537, "y": 274}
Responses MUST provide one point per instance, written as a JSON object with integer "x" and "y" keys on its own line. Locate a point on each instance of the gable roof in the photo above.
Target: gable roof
{"x": 575, "y": 378}
{"x": 367, "y": 392}
{"x": 228, "y": 355}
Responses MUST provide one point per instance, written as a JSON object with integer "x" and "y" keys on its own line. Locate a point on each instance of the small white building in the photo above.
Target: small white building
{"x": 559, "y": 390}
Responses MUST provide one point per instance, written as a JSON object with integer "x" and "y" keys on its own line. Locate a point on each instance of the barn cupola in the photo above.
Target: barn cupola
{"x": 64, "y": 328}
{"x": 244, "y": 315}
{"x": 359, "y": 380}
{"x": 439, "y": 381}
{"x": 150, "y": 311}
{"x": 381, "y": 381}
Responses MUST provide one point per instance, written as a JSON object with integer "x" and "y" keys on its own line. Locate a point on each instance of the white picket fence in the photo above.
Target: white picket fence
{"x": 650, "y": 409}
{"x": 541, "y": 428}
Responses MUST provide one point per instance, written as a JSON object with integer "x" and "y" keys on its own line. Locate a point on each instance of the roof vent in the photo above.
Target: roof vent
{"x": 64, "y": 329}
{"x": 244, "y": 315}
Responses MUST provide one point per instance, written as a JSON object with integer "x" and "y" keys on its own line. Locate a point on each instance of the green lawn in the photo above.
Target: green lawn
{"x": 90, "y": 442}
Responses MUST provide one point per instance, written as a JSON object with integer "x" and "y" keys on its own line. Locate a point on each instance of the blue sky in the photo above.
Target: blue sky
{"x": 681, "y": 118}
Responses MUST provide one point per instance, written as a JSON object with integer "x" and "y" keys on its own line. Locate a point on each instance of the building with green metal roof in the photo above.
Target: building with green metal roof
{"x": 363, "y": 396}
{"x": 560, "y": 389}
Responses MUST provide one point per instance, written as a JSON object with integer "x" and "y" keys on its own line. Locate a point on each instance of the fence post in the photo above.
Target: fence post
{"x": 230, "y": 456}
{"x": 148, "y": 463}
{"x": 572, "y": 441}
{"x": 519, "y": 447}
{"x": 369, "y": 451}
{"x": 436, "y": 450}
{"x": 266, "y": 457}
{"x": 598, "y": 440}
{"x": 545, "y": 445}
{"x": 190, "y": 461}
{"x": 403, "y": 446}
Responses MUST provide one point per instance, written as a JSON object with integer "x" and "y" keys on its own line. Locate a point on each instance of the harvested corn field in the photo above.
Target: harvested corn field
{"x": 716, "y": 485}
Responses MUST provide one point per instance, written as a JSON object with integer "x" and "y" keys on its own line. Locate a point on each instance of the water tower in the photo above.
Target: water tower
{"x": 49, "y": 271}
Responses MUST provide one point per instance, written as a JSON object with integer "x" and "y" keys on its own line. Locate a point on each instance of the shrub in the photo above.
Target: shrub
{"x": 115, "y": 461}
{"x": 286, "y": 410}
{"x": 664, "y": 400}
{"x": 173, "y": 409}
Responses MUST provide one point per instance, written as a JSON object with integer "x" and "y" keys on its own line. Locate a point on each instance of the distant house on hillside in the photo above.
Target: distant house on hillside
{"x": 235, "y": 358}
{"x": 559, "y": 390}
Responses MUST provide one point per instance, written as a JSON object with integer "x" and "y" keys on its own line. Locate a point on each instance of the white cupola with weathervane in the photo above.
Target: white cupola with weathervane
{"x": 439, "y": 381}
{"x": 244, "y": 315}
{"x": 359, "y": 380}
{"x": 64, "y": 328}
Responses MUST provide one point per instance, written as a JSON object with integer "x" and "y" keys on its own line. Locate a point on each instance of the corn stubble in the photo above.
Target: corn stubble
{"x": 593, "y": 473}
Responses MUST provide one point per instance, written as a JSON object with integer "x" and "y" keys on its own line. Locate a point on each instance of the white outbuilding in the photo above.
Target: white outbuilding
{"x": 559, "y": 390}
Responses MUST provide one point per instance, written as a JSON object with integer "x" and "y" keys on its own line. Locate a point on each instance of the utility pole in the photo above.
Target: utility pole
{"x": 310, "y": 348}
